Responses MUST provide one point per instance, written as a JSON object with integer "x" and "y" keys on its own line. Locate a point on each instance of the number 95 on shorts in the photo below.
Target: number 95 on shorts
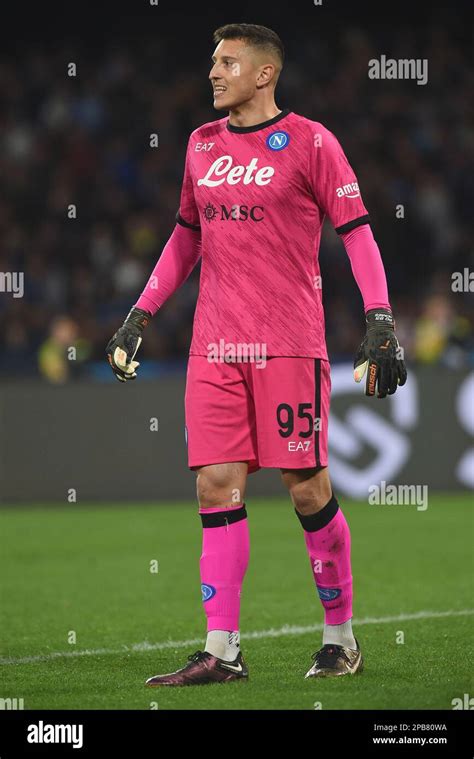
{"x": 273, "y": 416}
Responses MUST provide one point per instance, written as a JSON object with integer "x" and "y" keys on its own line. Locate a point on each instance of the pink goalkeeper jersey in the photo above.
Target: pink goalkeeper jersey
{"x": 259, "y": 195}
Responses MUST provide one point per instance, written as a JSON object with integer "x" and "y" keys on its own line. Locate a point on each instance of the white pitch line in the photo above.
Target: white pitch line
{"x": 255, "y": 635}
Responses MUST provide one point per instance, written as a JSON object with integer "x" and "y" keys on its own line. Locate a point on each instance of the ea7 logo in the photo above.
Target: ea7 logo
{"x": 200, "y": 146}
{"x": 350, "y": 190}
{"x": 301, "y": 445}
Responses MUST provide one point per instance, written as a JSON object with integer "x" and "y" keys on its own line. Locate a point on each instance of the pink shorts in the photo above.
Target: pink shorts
{"x": 276, "y": 416}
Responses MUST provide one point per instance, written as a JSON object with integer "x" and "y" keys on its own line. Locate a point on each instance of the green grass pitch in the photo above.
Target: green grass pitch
{"x": 87, "y": 569}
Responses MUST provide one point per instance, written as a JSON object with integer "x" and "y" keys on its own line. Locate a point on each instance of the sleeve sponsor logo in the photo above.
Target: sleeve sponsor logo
{"x": 350, "y": 190}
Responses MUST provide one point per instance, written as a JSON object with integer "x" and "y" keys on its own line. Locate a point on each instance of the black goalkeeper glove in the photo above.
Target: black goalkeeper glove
{"x": 122, "y": 348}
{"x": 380, "y": 355}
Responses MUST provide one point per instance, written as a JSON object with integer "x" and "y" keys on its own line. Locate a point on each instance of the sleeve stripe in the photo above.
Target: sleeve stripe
{"x": 183, "y": 223}
{"x": 353, "y": 224}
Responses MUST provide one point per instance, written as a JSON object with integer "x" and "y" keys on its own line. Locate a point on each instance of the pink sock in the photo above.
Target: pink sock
{"x": 223, "y": 563}
{"x": 328, "y": 541}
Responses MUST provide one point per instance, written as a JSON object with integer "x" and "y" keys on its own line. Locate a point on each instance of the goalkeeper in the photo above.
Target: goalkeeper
{"x": 258, "y": 184}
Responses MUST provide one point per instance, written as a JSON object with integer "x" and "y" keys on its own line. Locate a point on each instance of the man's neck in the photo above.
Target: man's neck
{"x": 249, "y": 115}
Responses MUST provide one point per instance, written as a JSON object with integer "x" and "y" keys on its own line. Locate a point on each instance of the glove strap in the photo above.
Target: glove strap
{"x": 138, "y": 318}
{"x": 380, "y": 318}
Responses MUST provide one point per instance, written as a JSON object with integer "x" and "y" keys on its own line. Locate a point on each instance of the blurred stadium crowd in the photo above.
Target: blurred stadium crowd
{"x": 85, "y": 140}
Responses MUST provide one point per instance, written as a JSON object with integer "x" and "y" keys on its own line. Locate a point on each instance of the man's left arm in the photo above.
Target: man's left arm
{"x": 336, "y": 191}
{"x": 379, "y": 357}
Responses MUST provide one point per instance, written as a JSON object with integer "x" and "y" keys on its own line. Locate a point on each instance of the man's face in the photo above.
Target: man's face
{"x": 234, "y": 74}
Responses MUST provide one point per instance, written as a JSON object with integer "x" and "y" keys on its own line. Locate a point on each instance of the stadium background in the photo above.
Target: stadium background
{"x": 85, "y": 140}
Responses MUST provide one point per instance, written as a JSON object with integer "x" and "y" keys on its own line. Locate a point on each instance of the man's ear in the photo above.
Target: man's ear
{"x": 265, "y": 75}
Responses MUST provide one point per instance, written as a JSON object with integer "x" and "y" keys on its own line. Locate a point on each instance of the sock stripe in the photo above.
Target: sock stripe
{"x": 314, "y": 522}
{"x": 224, "y": 517}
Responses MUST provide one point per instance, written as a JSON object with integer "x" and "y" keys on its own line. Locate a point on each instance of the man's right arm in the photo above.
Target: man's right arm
{"x": 180, "y": 255}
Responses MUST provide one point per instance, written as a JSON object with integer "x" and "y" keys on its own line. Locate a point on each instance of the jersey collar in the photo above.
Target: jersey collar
{"x": 257, "y": 127}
